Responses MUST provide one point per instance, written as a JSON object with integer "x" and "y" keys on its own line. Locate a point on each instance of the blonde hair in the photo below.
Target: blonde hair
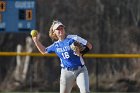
{"x": 52, "y": 35}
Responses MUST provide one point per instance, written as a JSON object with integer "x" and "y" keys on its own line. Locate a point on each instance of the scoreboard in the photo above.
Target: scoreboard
{"x": 17, "y": 15}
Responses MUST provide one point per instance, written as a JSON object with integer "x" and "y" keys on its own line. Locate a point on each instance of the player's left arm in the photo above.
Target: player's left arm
{"x": 87, "y": 48}
{"x": 80, "y": 45}
{"x": 87, "y": 45}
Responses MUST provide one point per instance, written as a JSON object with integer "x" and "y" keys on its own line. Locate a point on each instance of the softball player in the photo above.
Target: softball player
{"x": 73, "y": 68}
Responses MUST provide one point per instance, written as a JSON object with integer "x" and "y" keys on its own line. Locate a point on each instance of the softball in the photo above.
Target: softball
{"x": 34, "y": 33}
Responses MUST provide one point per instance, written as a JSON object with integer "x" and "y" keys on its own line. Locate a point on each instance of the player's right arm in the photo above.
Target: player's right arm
{"x": 38, "y": 44}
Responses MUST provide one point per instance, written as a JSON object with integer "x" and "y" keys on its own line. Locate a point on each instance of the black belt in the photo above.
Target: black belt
{"x": 73, "y": 68}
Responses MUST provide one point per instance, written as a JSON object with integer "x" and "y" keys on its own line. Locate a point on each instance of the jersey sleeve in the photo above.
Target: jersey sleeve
{"x": 50, "y": 49}
{"x": 81, "y": 40}
{"x": 78, "y": 38}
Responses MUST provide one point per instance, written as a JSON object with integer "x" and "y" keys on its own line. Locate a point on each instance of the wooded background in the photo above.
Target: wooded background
{"x": 112, "y": 26}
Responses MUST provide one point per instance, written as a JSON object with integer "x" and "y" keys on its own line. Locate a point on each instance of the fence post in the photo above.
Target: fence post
{"x": 22, "y": 62}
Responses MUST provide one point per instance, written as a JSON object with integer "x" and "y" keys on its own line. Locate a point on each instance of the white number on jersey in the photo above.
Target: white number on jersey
{"x": 65, "y": 55}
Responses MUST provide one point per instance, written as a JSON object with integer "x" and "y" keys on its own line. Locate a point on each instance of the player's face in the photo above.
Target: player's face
{"x": 60, "y": 31}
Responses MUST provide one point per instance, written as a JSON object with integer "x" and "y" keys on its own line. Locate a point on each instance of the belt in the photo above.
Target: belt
{"x": 73, "y": 68}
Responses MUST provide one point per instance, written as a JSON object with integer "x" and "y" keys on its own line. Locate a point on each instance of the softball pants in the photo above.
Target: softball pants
{"x": 69, "y": 78}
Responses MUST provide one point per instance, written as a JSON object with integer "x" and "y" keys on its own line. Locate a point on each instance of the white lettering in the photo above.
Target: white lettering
{"x": 24, "y": 4}
{"x": 66, "y": 48}
{"x": 20, "y": 25}
{"x": 2, "y": 25}
{"x": 28, "y": 25}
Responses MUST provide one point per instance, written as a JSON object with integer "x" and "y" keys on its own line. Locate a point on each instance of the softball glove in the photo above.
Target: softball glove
{"x": 77, "y": 47}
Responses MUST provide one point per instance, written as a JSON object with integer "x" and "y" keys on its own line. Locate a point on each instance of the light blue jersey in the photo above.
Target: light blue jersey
{"x": 67, "y": 56}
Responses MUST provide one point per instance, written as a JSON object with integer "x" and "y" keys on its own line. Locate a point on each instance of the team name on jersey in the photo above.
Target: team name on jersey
{"x": 63, "y": 49}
